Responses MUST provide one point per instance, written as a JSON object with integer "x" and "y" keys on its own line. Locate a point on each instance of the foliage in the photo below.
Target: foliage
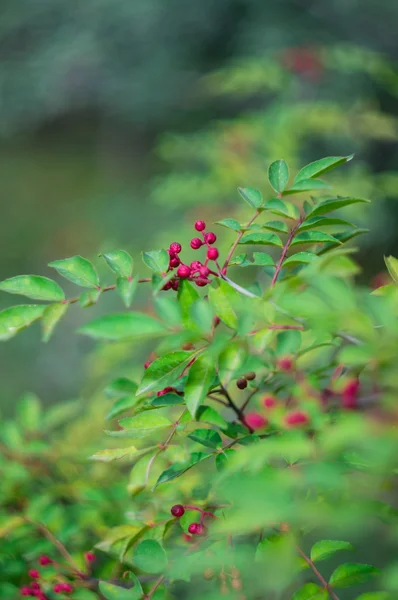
{"x": 259, "y": 438}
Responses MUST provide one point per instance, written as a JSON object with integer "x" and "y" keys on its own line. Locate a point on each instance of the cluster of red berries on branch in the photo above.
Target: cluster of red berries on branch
{"x": 178, "y": 510}
{"x": 41, "y": 582}
{"x": 197, "y": 271}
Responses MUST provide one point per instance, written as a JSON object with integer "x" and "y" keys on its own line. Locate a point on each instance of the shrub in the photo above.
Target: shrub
{"x": 264, "y": 421}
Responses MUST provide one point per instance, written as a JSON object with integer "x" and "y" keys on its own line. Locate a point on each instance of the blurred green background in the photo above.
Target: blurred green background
{"x": 121, "y": 122}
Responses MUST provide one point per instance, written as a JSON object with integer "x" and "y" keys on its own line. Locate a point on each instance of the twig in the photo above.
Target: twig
{"x": 108, "y": 288}
{"x": 154, "y": 588}
{"x": 236, "y": 242}
{"x": 162, "y": 447}
{"x": 250, "y": 396}
{"x": 317, "y": 573}
{"x": 285, "y": 251}
{"x": 238, "y": 411}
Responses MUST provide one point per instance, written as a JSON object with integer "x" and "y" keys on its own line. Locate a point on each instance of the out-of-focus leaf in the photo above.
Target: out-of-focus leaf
{"x": 326, "y": 548}
{"x": 311, "y": 591}
{"x": 352, "y": 574}
{"x": 392, "y": 266}
{"x": 150, "y": 556}
{"x": 15, "y": 319}
{"x": 51, "y": 316}
{"x": 117, "y": 453}
{"x": 33, "y": 286}
{"x": 132, "y": 325}
{"x": 200, "y": 378}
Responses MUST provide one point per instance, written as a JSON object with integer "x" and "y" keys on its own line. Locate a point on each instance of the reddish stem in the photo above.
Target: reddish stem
{"x": 236, "y": 242}
{"x": 285, "y": 250}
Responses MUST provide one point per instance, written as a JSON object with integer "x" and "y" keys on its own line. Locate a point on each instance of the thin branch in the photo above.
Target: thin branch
{"x": 157, "y": 583}
{"x": 236, "y": 242}
{"x": 285, "y": 251}
{"x": 108, "y": 288}
{"x": 162, "y": 447}
{"x": 218, "y": 400}
{"x": 235, "y": 408}
{"x": 317, "y": 573}
{"x": 250, "y": 396}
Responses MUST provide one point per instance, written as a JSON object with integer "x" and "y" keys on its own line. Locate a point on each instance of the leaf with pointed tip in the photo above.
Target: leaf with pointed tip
{"x": 122, "y": 386}
{"x": 221, "y": 297}
{"x": 352, "y": 574}
{"x": 313, "y": 237}
{"x": 89, "y": 298}
{"x": 207, "y": 414}
{"x": 306, "y": 185}
{"x": 311, "y": 591}
{"x": 283, "y": 208}
{"x": 145, "y": 423}
{"x": 341, "y": 238}
{"x": 251, "y": 196}
{"x": 321, "y": 166}
{"x": 316, "y": 222}
{"x": 77, "y": 269}
{"x": 300, "y": 258}
{"x": 115, "y": 592}
{"x": 121, "y": 405}
{"x": 261, "y": 239}
{"x": 229, "y": 224}
{"x": 124, "y": 326}
{"x": 126, "y": 289}
{"x": 279, "y": 226}
{"x": 200, "y": 378}
{"x": 167, "y": 400}
{"x": 33, "y": 286}
{"x": 231, "y": 360}
{"x": 178, "y": 469}
{"x": 164, "y": 371}
{"x": 392, "y": 266}
{"x": 375, "y": 596}
{"x": 326, "y": 548}
{"x": 15, "y": 319}
{"x": 117, "y": 453}
{"x": 334, "y": 204}
{"x": 156, "y": 260}
{"x": 51, "y": 315}
{"x": 120, "y": 262}
{"x": 187, "y": 296}
{"x": 278, "y": 175}
{"x": 206, "y": 437}
{"x": 150, "y": 556}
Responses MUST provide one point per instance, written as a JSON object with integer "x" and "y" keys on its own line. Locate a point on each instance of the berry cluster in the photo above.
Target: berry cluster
{"x": 294, "y": 418}
{"x": 178, "y": 510}
{"x": 197, "y": 271}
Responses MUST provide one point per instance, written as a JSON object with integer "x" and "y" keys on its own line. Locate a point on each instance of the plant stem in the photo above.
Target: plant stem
{"x": 108, "y": 288}
{"x": 317, "y": 573}
{"x": 163, "y": 447}
{"x": 236, "y": 242}
{"x": 238, "y": 411}
{"x": 285, "y": 250}
{"x": 154, "y": 588}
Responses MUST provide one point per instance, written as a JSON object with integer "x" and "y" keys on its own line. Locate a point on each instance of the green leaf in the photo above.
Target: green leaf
{"x": 316, "y": 222}
{"x": 321, "y": 166}
{"x": 145, "y": 423}
{"x": 178, "y": 469}
{"x": 313, "y": 237}
{"x": 167, "y": 400}
{"x": 288, "y": 342}
{"x": 114, "y": 592}
{"x": 33, "y": 286}
{"x": 306, "y": 185}
{"x": 261, "y": 259}
{"x": 202, "y": 316}
{"x": 200, "y": 378}
{"x": 123, "y": 326}
{"x": 187, "y": 296}
{"x": 251, "y": 196}
{"x": 325, "y": 548}
{"x": 229, "y": 224}
{"x": 278, "y": 175}
{"x": 89, "y": 298}
{"x": 263, "y": 239}
{"x": 341, "y": 238}
{"x": 122, "y": 386}
{"x": 310, "y": 591}
{"x": 120, "y": 262}
{"x": 279, "y": 226}
{"x": 206, "y": 437}
{"x": 375, "y": 596}
{"x": 392, "y": 266}
{"x": 300, "y": 258}
{"x": 29, "y": 412}
{"x": 352, "y": 574}
{"x": 121, "y": 405}
{"x": 118, "y": 453}
{"x": 283, "y": 209}
{"x": 333, "y": 204}
{"x": 156, "y": 260}
{"x": 15, "y": 319}
{"x": 221, "y": 299}
{"x": 164, "y": 371}
{"x": 231, "y": 361}
{"x": 77, "y": 269}
{"x": 207, "y": 414}
{"x": 51, "y": 315}
{"x": 126, "y": 289}
{"x": 150, "y": 556}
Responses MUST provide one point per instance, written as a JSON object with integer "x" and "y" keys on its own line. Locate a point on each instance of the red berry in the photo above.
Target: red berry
{"x": 174, "y": 284}
{"x": 255, "y": 420}
{"x": 90, "y": 556}
{"x": 67, "y": 587}
{"x": 212, "y": 254}
{"x": 241, "y": 383}
{"x": 58, "y": 589}
{"x": 175, "y": 248}
{"x": 201, "y": 282}
{"x": 349, "y": 395}
{"x": 35, "y": 585}
{"x": 200, "y": 225}
{"x": 34, "y": 574}
{"x": 46, "y": 560}
{"x": 196, "y": 529}
{"x": 285, "y": 363}
{"x": 210, "y": 237}
{"x": 174, "y": 262}
{"x": 268, "y": 401}
{"x": 26, "y": 591}
{"x": 177, "y": 510}
{"x": 167, "y": 286}
{"x": 196, "y": 243}
{"x": 146, "y": 365}
{"x": 183, "y": 271}
{"x": 195, "y": 265}
{"x": 298, "y": 417}
{"x": 204, "y": 271}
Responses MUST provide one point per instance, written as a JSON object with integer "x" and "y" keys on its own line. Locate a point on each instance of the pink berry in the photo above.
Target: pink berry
{"x": 204, "y": 271}
{"x": 46, "y": 560}
{"x": 196, "y": 529}
{"x": 34, "y": 574}
{"x": 255, "y": 421}
{"x": 67, "y": 587}
{"x": 167, "y": 286}
{"x": 174, "y": 284}
{"x": 90, "y": 556}
{"x": 212, "y": 254}
{"x": 26, "y": 591}
{"x": 268, "y": 401}
{"x": 196, "y": 243}
{"x": 349, "y": 395}
{"x": 58, "y": 589}
{"x": 210, "y": 237}
{"x": 200, "y": 225}
{"x": 285, "y": 363}
{"x": 175, "y": 247}
{"x": 35, "y": 585}
{"x": 183, "y": 271}
{"x": 177, "y": 510}
{"x": 196, "y": 265}
{"x": 297, "y": 417}
{"x": 146, "y": 365}
{"x": 201, "y": 282}
{"x": 174, "y": 262}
